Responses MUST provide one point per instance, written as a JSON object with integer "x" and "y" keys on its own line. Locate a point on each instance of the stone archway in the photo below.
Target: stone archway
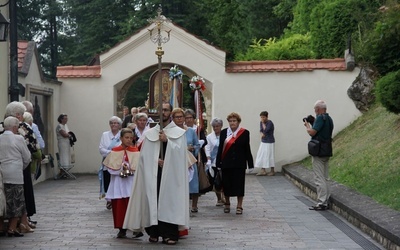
{"x": 122, "y": 88}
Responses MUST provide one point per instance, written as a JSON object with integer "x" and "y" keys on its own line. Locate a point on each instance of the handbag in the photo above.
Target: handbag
{"x": 320, "y": 148}
{"x": 218, "y": 180}
{"x": 204, "y": 183}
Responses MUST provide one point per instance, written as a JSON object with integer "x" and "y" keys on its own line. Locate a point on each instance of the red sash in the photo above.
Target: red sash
{"x": 231, "y": 141}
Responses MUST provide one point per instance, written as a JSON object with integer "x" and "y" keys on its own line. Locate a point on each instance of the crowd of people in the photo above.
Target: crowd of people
{"x": 165, "y": 186}
{"x": 149, "y": 173}
{"x": 21, "y": 145}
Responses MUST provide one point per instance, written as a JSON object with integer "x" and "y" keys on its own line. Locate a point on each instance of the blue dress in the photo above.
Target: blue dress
{"x": 191, "y": 138}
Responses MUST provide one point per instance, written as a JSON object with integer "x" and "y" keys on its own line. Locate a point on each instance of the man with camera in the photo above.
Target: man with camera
{"x": 320, "y": 130}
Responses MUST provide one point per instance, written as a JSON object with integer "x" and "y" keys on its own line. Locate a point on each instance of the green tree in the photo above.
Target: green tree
{"x": 263, "y": 21}
{"x": 332, "y": 22}
{"x": 228, "y": 25}
{"x": 284, "y": 11}
{"x": 137, "y": 93}
{"x": 301, "y": 16}
{"x": 39, "y": 21}
{"x": 379, "y": 46}
{"x": 29, "y": 19}
{"x": 100, "y": 24}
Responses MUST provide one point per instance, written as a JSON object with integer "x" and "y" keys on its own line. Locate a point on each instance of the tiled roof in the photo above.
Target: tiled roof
{"x": 337, "y": 64}
{"x": 79, "y": 71}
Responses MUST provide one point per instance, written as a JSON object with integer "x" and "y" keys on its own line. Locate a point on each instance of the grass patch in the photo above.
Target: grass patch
{"x": 366, "y": 156}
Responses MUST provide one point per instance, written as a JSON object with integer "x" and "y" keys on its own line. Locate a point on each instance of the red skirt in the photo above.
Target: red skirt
{"x": 119, "y": 207}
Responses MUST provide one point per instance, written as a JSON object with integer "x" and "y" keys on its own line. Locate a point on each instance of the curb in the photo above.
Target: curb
{"x": 378, "y": 221}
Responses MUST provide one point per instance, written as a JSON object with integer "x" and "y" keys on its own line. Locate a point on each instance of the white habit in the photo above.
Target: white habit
{"x": 173, "y": 204}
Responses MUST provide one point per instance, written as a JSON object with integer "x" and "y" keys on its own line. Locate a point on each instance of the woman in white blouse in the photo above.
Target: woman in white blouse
{"x": 109, "y": 139}
{"x": 211, "y": 150}
{"x": 14, "y": 158}
{"x": 64, "y": 147}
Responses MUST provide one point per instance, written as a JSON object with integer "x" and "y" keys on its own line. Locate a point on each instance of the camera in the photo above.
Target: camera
{"x": 310, "y": 119}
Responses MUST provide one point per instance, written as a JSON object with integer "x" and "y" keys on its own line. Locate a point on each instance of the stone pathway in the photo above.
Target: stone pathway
{"x": 275, "y": 216}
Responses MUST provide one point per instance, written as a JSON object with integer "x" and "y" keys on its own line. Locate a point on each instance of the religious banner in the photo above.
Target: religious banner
{"x": 197, "y": 84}
{"x": 175, "y": 75}
{"x": 167, "y": 90}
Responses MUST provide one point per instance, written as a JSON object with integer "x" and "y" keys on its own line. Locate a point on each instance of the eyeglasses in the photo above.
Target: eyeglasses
{"x": 178, "y": 117}
{"x": 113, "y": 123}
{"x": 189, "y": 117}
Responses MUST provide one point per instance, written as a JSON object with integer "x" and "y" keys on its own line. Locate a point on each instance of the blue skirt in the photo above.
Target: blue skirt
{"x": 194, "y": 183}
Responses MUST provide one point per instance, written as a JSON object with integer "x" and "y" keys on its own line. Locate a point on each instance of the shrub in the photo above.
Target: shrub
{"x": 290, "y": 48}
{"x": 388, "y": 91}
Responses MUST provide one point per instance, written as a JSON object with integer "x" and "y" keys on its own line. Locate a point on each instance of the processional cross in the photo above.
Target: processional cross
{"x": 159, "y": 40}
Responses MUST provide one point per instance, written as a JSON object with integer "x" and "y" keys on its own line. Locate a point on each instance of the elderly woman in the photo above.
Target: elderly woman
{"x": 211, "y": 150}
{"x": 178, "y": 117}
{"x": 141, "y": 127}
{"x": 194, "y": 189}
{"x": 36, "y": 156}
{"x": 14, "y": 158}
{"x": 64, "y": 147}
{"x": 233, "y": 156}
{"x": 109, "y": 139}
{"x": 17, "y": 110}
{"x": 190, "y": 119}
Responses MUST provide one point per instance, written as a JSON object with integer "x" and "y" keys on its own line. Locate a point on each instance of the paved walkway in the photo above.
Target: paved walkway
{"x": 276, "y": 216}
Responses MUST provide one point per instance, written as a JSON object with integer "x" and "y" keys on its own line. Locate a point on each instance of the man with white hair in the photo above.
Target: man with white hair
{"x": 321, "y": 130}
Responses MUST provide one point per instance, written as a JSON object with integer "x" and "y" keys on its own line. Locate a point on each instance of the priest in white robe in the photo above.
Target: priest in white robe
{"x": 160, "y": 194}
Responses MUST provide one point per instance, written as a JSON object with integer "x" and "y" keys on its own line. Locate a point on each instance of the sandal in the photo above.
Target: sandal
{"x": 168, "y": 241}
{"x": 195, "y": 209}
{"x": 108, "y": 205}
{"x": 239, "y": 210}
{"x": 227, "y": 208}
{"x": 11, "y": 233}
{"x": 153, "y": 239}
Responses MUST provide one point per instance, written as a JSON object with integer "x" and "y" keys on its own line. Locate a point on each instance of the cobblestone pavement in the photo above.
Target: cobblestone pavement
{"x": 275, "y": 216}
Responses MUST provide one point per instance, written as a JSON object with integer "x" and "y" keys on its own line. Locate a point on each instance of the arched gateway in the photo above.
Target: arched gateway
{"x": 90, "y": 95}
